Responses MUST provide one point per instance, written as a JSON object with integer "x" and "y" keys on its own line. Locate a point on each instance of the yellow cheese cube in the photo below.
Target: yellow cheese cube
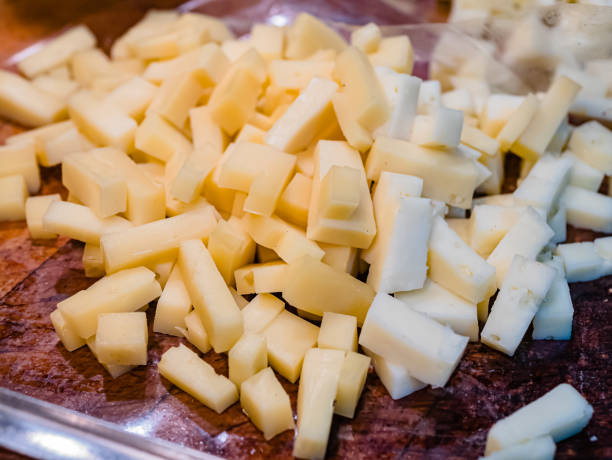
{"x": 55, "y": 149}
{"x": 95, "y": 184}
{"x": 343, "y": 258}
{"x": 316, "y": 396}
{"x": 68, "y": 337}
{"x": 306, "y": 117}
{"x": 188, "y": 183}
{"x": 89, "y": 64}
{"x": 160, "y": 139}
{"x": 210, "y": 296}
{"x": 173, "y": 305}
{"x": 57, "y": 51}
{"x": 274, "y": 96}
{"x": 395, "y": 52}
{"x": 153, "y": 20}
{"x": 296, "y": 75}
{"x": 177, "y": 95}
{"x": 266, "y": 403}
{"x": 35, "y": 209}
{"x": 222, "y": 198}
{"x": 260, "y": 312}
{"x": 247, "y": 357}
{"x": 132, "y": 97}
{"x": 261, "y": 278}
{"x": 195, "y": 332}
{"x": 162, "y": 270}
{"x": 25, "y": 104}
{"x": 517, "y": 122}
{"x": 294, "y": 202}
{"x": 268, "y": 40}
{"x": 115, "y": 370}
{"x": 362, "y": 87}
{"x": 93, "y": 261}
{"x": 59, "y": 87}
{"x": 238, "y": 206}
{"x": 156, "y": 240}
{"x": 250, "y": 133}
{"x": 353, "y": 376}
{"x": 356, "y": 135}
{"x": 338, "y": 332}
{"x": 265, "y": 254}
{"x": 121, "y": 338}
{"x": 124, "y": 291}
{"x": 366, "y": 38}
{"x": 305, "y": 161}
{"x": 231, "y": 248}
{"x": 339, "y": 194}
{"x": 358, "y": 230}
{"x": 307, "y": 35}
{"x": 240, "y": 301}
{"x": 289, "y": 337}
{"x": 187, "y": 371}
{"x": 316, "y": 287}
{"x": 205, "y": 132}
{"x": 20, "y": 159}
{"x": 40, "y": 136}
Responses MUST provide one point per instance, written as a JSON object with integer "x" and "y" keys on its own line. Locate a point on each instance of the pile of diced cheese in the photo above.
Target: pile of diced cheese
{"x": 201, "y": 169}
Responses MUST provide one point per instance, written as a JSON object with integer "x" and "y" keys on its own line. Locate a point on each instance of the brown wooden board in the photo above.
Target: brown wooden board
{"x": 449, "y": 422}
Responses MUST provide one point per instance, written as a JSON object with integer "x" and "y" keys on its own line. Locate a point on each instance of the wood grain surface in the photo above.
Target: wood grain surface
{"x": 449, "y": 422}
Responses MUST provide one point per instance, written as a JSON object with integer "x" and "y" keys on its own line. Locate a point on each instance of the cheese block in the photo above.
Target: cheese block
{"x": 121, "y": 339}
{"x": 59, "y": 87}
{"x": 458, "y": 99}
{"x": 231, "y": 248}
{"x": 560, "y": 413}
{"x": 308, "y": 34}
{"x": 115, "y": 370}
{"x": 20, "y": 159}
{"x": 172, "y": 306}
{"x": 395, "y": 378}
{"x": 40, "y": 136}
{"x": 294, "y": 202}
{"x": 195, "y": 332}
{"x": 554, "y": 317}
{"x": 582, "y": 174}
{"x": 297, "y": 74}
{"x": 527, "y": 237}
{"x": 93, "y": 261}
{"x": 210, "y": 295}
{"x": 288, "y": 338}
{"x": 338, "y": 332}
{"x": 497, "y": 111}
{"x": 151, "y": 21}
{"x": 582, "y": 261}
{"x": 268, "y": 40}
{"x": 542, "y": 448}
{"x": 160, "y": 139}
{"x": 343, "y": 258}
{"x": 524, "y": 287}
{"x": 35, "y": 209}
{"x": 124, "y": 291}
{"x": 402, "y": 92}
{"x": 429, "y": 97}
{"x": 488, "y": 224}
{"x": 448, "y": 178}
{"x": 395, "y": 52}
{"x": 457, "y": 267}
{"x": 440, "y": 130}
{"x": 316, "y": 395}
{"x": 205, "y": 132}
{"x": 247, "y": 357}
{"x": 356, "y": 135}
{"x": 266, "y": 403}
{"x": 586, "y": 209}
{"x": 366, "y": 38}
{"x": 55, "y": 149}
{"x": 195, "y": 376}
{"x": 176, "y": 96}
{"x": 316, "y": 287}
{"x": 517, "y": 122}
{"x": 132, "y": 97}
{"x": 429, "y": 350}
{"x": 13, "y": 196}
{"x": 260, "y": 312}
{"x": 70, "y": 339}
{"x": 155, "y": 240}
{"x": 261, "y": 278}
{"x": 480, "y": 141}
{"x": 592, "y": 142}
{"x": 352, "y": 380}
{"x": 444, "y": 307}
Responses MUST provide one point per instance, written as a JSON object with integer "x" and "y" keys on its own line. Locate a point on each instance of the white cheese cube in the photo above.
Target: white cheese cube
{"x": 489, "y": 224}
{"x": 586, "y": 209}
{"x": 429, "y": 350}
{"x": 478, "y": 140}
{"x": 517, "y": 122}
{"x": 338, "y": 332}
{"x": 429, "y": 97}
{"x": 441, "y": 130}
{"x": 395, "y": 378}
{"x": 459, "y": 99}
{"x": 592, "y": 143}
{"x": 172, "y": 306}
{"x": 246, "y": 358}
{"x": 497, "y": 111}
{"x": 558, "y": 224}
{"x": 554, "y": 317}
{"x": 542, "y": 448}
{"x": 582, "y": 174}
{"x": 526, "y": 284}
{"x": 582, "y": 261}
{"x": 366, "y": 38}
{"x": 403, "y": 94}
{"x": 560, "y": 413}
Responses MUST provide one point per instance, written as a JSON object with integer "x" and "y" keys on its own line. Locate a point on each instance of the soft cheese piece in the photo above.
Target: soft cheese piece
{"x": 518, "y": 122}
{"x": 35, "y": 209}
{"x": 497, "y": 111}
{"x": 488, "y": 224}
{"x": 429, "y": 350}
{"x": 230, "y": 247}
{"x": 586, "y": 209}
{"x": 554, "y": 317}
{"x": 158, "y": 138}
{"x": 192, "y": 374}
{"x": 440, "y": 130}
{"x": 443, "y": 306}
{"x": 542, "y": 448}
{"x": 457, "y": 267}
{"x": 366, "y": 38}
{"x": 478, "y": 140}
{"x": 70, "y": 339}
{"x": 592, "y": 143}
{"x": 524, "y": 287}
{"x": 338, "y": 332}
{"x": 356, "y": 135}
{"x": 582, "y": 261}
{"x": 121, "y": 338}
{"x": 353, "y": 376}
{"x": 395, "y": 378}
{"x": 173, "y": 305}
{"x": 395, "y": 52}
{"x": 260, "y": 312}
{"x": 294, "y": 202}
{"x": 308, "y": 34}
{"x": 560, "y": 413}
{"x": 176, "y": 96}
{"x": 246, "y": 358}
{"x": 196, "y": 334}
{"x": 115, "y": 370}
{"x": 20, "y": 159}
{"x": 402, "y": 92}
{"x": 261, "y": 278}
{"x": 210, "y": 295}
{"x": 582, "y": 174}
{"x": 13, "y": 196}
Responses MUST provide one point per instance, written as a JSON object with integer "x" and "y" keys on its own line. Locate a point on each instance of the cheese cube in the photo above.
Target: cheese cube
{"x": 316, "y": 395}
{"x": 121, "y": 338}
{"x": 132, "y": 97}
{"x": 395, "y": 52}
{"x": 195, "y": 332}
{"x": 478, "y": 140}
{"x": 205, "y": 132}
{"x": 440, "y": 130}
{"x": 238, "y": 206}
{"x": 582, "y": 261}
{"x": 549, "y": 114}
{"x": 526, "y": 284}
{"x": 395, "y": 378}
{"x": 152, "y": 20}
{"x": 582, "y": 174}
{"x": 592, "y": 143}
{"x": 360, "y": 228}
{"x": 173, "y": 305}
{"x": 13, "y": 196}
{"x": 121, "y": 292}
{"x": 497, "y": 111}
{"x": 87, "y": 65}
{"x": 560, "y": 413}
{"x": 429, "y": 97}
{"x": 195, "y": 376}
{"x": 160, "y": 139}
{"x": 289, "y": 337}
{"x": 66, "y": 334}
{"x": 495, "y": 165}
{"x": 305, "y": 117}
{"x": 20, "y": 159}
{"x": 554, "y": 317}
{"x": 250, "y": 133}
{"x": 461, "y": 227}
{"x": 260, "y": 312}
{"x": 366, "y": 38}
{"x": 115, "y": 370}
{"x": 247, "y": 357}
{"x": 586, "y": 209}
{"x": 338, "y": 332}
{"x": 93, "y": 261}
{"x": 261, "y": 278}
{"x": 35, "y": 209}
{"x": 231, "y": 248}
{"x": 316, "y": 287}
{"x": 448, "y": 178}
{"x": 343, "y": 258}
{"x": 59, "y": 87}
{"x": 265, "y": 255}
{"x": 356, "y": 135}
{"x": 353, "y": 376}
{"x": 294, "y": 201}
{"x": 210, "y": 296}
{"x": 518, "y": 122}
{"x": 604, "y": 247}
{"x": 362, "y": 87}
{"x": 297, "y": 74}
{"x": 176, "y": 96}
{"x": 267, "y": 40}
{"x": 339, "y": 192}
{"x": 95, "y": 184}
{"x": 488, "y": 224}
{"x": 542, "y": 448}
{"x": 403, "y": 94}
{"x": 155, "y": 240}
{"x": 458, "y": 99}
{"x": 55, "y": 149}
{"x": 443, "y": 306}
{"x": 266, "y": 403}
{"x": 457, "y": 267}
{"x": 308, "y": 34}
{"x": 40, "y": 136}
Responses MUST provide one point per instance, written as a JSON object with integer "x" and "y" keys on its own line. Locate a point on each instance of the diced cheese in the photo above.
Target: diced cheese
{"x": 159, "y": 139}
{"x": 395, "y": 52}
{"x": 35, "y": 209}
{"x": 20, "y": 159}
{"x": 343, "y": 258}
{"x": 353, "y": 376}
{"x": 542, "y": 448}
{"x": 458, "y": 99}
{"x": 429, "y": 97}
{"x": 403, "y": 95}
{"x": 66, "y": 334}
{"x": 395, "y": 378}
{"x": 524, "y": 287}
{"x": 247, "y": 357}
{"x": 260, "y": 312}
{"x": 586, "y": 209}
{"x": 582, "y": 174}
{"x": 261, "y": 278}
{"x": 173, "y": 305}
{"x": 592, "y": 143}
{"x": 231, "y": 248}
{"x": 488, "y": 224}
{"x": 554, "y": 317}
{"x": 307, "y": 35}
{"x": 13, "y": 196}
{"x": 176, "y": 96}
{"x": 268, "y": 40}
{"x": 55, "y": 149}
{"x": 121, "y": 338}
{"x": 132, "y": 97}
{"x": 582, "y": 261}
{"x": 497, "y": 111}
{"x": 205, "y": 132}
{"x": 478, "y": 140}
{"x": 195, "y": 332}
{"x": 296, "y": 75}
{"x": 59, "y": 87}
{"x": 294, "y": 202}
{"x": 93, "y": 261}
{"x": 115, "y": 370}
{"x": 518, "y": 122}
{"x": 366, "y": 38}
{"x": 441, "y": 130}
{"x": 356, "y": 135}
{"x": 338, "y": 332}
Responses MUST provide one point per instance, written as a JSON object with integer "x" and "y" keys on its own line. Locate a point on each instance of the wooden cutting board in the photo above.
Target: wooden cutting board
{"x": 449, "y": 422}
